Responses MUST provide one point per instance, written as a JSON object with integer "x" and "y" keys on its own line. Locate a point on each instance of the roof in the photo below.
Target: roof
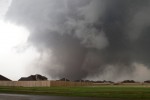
{"x": 2, "y": 78}
{"x": 64, "y": 79}
{"x": 33, "y": 78}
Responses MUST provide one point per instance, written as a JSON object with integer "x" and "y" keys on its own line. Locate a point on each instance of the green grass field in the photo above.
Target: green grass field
{"x": 122, "y": 92}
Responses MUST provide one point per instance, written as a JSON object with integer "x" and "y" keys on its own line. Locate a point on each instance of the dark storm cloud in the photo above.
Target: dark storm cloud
{"x": 86, "y": 36}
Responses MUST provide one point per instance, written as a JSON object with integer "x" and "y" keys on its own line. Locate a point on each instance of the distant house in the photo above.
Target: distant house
{"x": 148, "y": 81}
{"x": 79, "y": 81}
{"x": 2, "y": 78}
{"x": 64, "y": 79}
{"x": 83, "y": 81}
{"x": 36, "y": 77}
{"x": 128, "y": 81}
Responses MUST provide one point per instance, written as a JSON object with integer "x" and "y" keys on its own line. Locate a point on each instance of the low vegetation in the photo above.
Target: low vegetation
{"x": 121, "y": 92}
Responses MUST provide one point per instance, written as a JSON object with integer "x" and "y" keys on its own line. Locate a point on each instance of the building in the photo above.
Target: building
{"x": 36, "y": 77}
{"x": 64, "y": 79}
{"x": 2, "y": 78}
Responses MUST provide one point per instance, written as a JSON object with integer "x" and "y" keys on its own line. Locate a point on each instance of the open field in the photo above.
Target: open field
{"x": 119, "y": 91}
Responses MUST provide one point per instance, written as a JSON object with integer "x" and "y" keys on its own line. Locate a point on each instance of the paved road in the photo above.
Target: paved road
{"x": 29, "y": 97}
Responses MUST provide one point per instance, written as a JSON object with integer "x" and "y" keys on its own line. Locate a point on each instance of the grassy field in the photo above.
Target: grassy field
{"x": 122, "y": 92}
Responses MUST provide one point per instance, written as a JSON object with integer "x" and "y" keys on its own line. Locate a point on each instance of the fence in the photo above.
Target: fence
{"x": 42, "y": 83}
{"x": 25, "y": 83}
{"x": 63, "y": 83}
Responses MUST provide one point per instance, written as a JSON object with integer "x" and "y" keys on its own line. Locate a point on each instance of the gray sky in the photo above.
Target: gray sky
{"x": 78, "y": 39}
{"x": 4, "y": 4}
{"x": 15, "y": 53}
